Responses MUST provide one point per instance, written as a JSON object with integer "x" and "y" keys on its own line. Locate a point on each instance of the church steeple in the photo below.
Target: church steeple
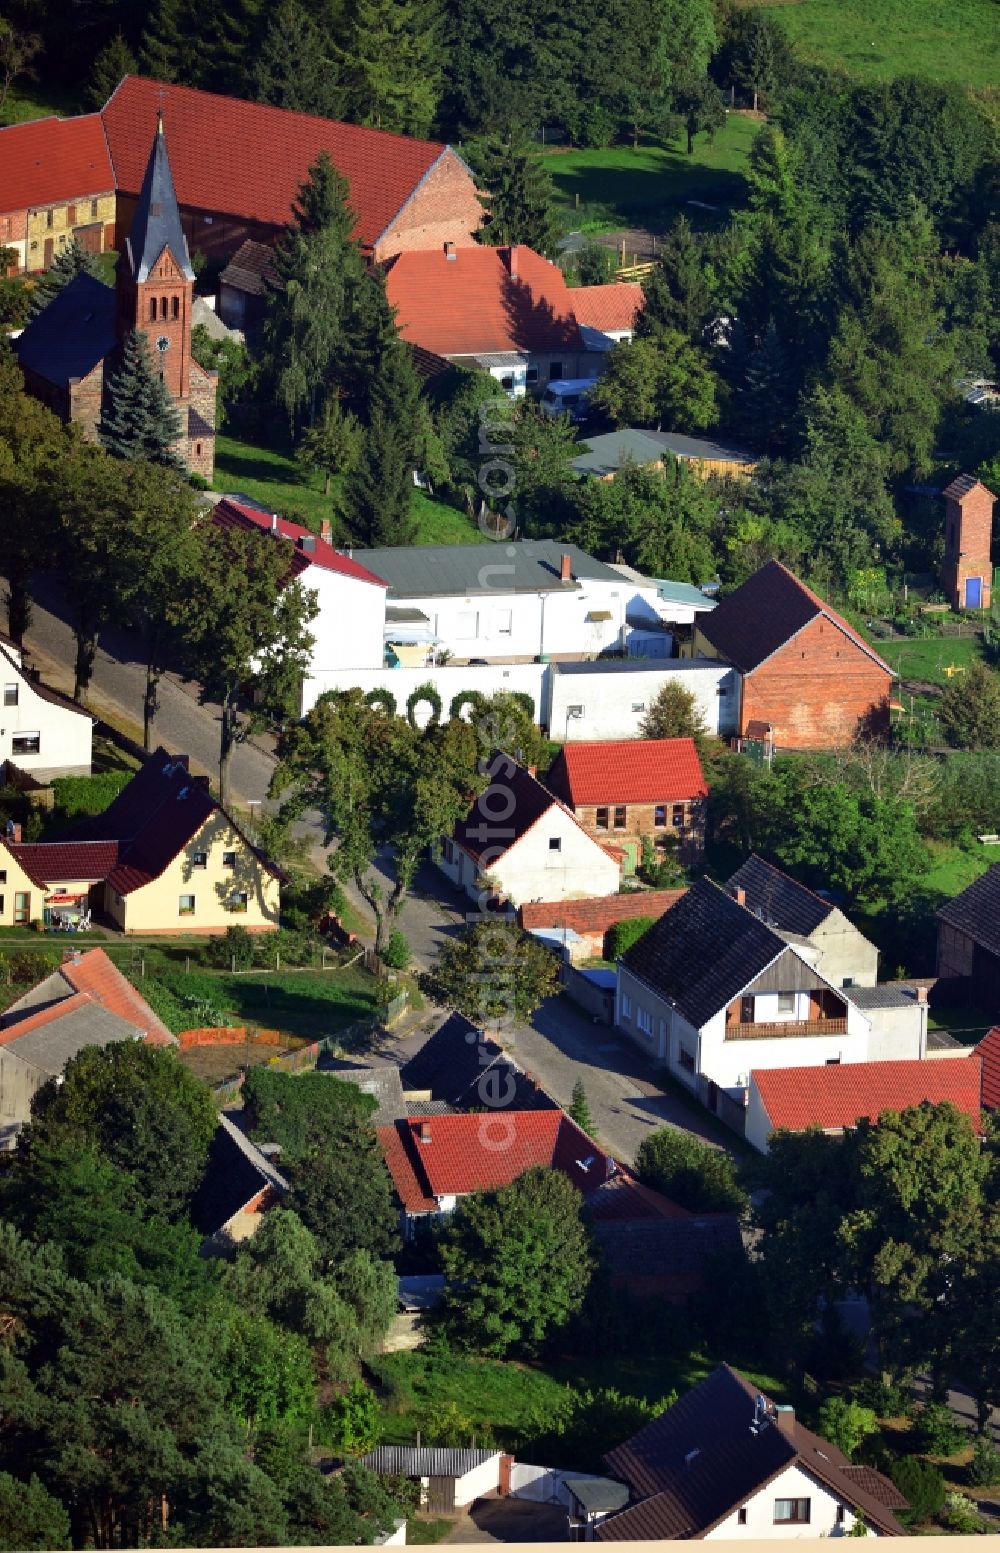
{"x": 155, "y": 277}
{"x": 156, "y": 224}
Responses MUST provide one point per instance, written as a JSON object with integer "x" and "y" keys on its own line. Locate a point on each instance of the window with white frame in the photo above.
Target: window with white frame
{"x": 185, "y": 906}
{"x": 26, "y": 744}
{"x": 643, "y": 1020}
{"x": 466, "y": 625}
{"x": 503, "y": 622}
{"x": 626, "y": 1006}
{"x": 791, "y": 1512}
{"x": 786, "y": 1002}
{"x": 239, "y": 901}
{"x": 10, "y": 695}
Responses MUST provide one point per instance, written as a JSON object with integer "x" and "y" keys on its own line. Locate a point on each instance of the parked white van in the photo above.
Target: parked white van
{"x": 569, "y": 396}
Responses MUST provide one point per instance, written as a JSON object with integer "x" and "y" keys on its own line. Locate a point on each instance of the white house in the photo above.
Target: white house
{"x": 41, "y": 732}
{"x": 724, "y": 1462}
{"x": 519, "y": 843}
{"x": 608, "y": 698}
{"x": 348, "y": 627}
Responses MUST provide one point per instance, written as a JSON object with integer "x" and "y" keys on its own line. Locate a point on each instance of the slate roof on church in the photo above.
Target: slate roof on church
{"x": 71, "y": 336}
{"x": 249, "y": 159}
{"x": 156, "y": 224}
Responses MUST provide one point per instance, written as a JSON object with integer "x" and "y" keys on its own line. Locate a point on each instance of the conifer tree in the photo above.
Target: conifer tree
{"x": 370, "y": 335}
{"x": 140, "y": 419}
{"x": 378, "y": 492}
{"x": 72, "y": 261}
{"x": 519, "y": 198}
{"x": 394, "y": 57}
{"x": 168, "y": 48}
{"x": 767, "y": 398}
{"x": 680, "y": 293}
{"x": 234, "y": 32}
{"x": 115, "y": 61}
{"x": 295, "y": 68}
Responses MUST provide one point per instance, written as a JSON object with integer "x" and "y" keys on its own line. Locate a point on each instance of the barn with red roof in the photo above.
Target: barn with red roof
{"x": 57, "y": 183}
{"x": 628, "y": 789}
{"x": 809, "y": 679}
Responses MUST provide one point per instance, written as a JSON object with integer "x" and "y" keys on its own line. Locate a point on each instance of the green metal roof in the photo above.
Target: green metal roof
{"x": 523, "y": 566}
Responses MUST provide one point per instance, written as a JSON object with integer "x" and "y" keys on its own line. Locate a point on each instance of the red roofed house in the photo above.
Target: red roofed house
{"x": 505, "y": 310}
{"x": 56, "y": 183}
{"x": 164, "y": 857}
{"x": 71, "y": 351}
{"x": 835, "y": 1097}
{"x": 86, "y": 1002}
{"x": 636, "y": 788}
{"x": 652, "y": 1245}
{"x": 525, "y": 845}
{"x": 349, "y": 627}
{"x": 583, "y": 926}
{"x": 607, "y": 314}
{"x": 809, "y": 680}
{"x": 238, "y": 166}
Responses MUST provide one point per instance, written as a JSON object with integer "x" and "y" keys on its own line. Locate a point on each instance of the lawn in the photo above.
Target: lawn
{"x": 953, "y": 868}
{"x": 271, "y": 477}
{"x": 928, "y": 658}
{"x": 31, "y": 100}
{"x": 647, "y": 187}
{"x": 304, "y": 1003}
{"x": 943, "y": 40}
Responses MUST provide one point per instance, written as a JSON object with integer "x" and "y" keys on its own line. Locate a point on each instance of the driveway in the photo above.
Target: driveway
{"x": 510, "y": 1520}
{"x": 432, "y": 911}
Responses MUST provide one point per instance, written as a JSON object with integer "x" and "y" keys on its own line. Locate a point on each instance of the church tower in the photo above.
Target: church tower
{"x": 155, "y": 296}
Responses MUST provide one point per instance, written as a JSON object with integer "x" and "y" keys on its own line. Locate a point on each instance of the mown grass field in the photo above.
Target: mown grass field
{"x": 646, "y": 187}
{"x": 271, "y": 477}
{"x": 929, "y": 658}
{"x": 942, "y": 40}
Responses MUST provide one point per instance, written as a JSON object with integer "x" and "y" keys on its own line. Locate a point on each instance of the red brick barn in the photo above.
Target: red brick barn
{"x": 806, "y": 674}
{"x": 635, "y": 790}
{"x": 967, "y": 570}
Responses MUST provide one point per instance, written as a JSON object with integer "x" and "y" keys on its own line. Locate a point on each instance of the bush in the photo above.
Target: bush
{"x": 886, "y": 1399}
{"x": 846, "y": 1424}
{"x": 231, "y": 949}
{"x": 961, "y": 1515}
{"x": 622, "y": 935}
{"x": 936, "y": 1431}
{"x": 984, "y": 1468}
{"x": 922, "y": 1484}
{"x": 425, "y": 692}
{"x": 692, "y": 1173}
{"x": 355, "y": 1420}
{"x": 396, "y": 953}
{"x": 25, "y": 967}
{"x": 88, "y": 795}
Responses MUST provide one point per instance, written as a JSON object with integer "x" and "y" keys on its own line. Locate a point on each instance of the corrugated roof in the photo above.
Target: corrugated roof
{"x": 381, "y": 1081}
{"x": 599, "y": 912}
{"x": 437, "y": 1461}
{"x": 988, "y": 1052}
{"x": 703, "y": 952}
{"x": 47, "y": 161}
{"x": 525, "y": 566}
{"x": 765, "y": 613}
{"x": 777, "y": 899}
{"x": 481, "y": 301}
{"x": 976, "y": 911}
{"x": 609, "y": 451}
{"x": 887, "y": 994}
{"x": 49, "y": 1039}
{"x": 838, "y": 1095}
{"x": 612, "y": 307}
{"x": 702, "y": 448}
{"x": 623, "y": 771}
{"x": 70, "y": 336}
{"x": 248, "y": 159}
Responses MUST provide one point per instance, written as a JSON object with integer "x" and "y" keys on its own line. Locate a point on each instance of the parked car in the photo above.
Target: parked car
{"x": 570, "y": 396}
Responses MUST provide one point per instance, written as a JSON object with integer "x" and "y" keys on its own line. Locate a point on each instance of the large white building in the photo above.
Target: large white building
{"x": 42, "y": 733}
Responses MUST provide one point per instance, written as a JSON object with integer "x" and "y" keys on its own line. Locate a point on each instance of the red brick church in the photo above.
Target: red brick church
{"x": 70, "y": 352}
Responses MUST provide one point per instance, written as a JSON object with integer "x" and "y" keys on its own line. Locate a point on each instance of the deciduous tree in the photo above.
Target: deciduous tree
{"x": 695, "y": 1174}
{"x": 494, "y": 972}
{"x": 969, "y": 709}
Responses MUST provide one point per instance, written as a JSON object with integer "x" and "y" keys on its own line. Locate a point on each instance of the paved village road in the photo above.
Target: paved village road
{"x": 183, "y": 725}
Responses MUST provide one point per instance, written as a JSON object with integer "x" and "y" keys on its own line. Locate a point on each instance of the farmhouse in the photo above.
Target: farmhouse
{"x": 44, "y": 734}
{"x": 809, "y": 681}
{"x": 56, "y": 184}
{"x": 72, "y": 350}
{"x": 636, "y": 789}
{"x": 86, "y": 1002}
{"x": 836, "y": 1098}
{"x": 725, "y": 1462}
{"x": 164, "y": 857}
{"x": 819, "y": 929}
{"x": 519, "y": 843}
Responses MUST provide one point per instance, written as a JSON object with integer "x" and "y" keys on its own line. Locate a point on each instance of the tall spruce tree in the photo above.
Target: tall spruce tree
{"x": 519, "y": 198}
{"x": 296, "y": 68}
{"x": 140, "y": 420}
{"x": 681, "y": 291}
{"x": 370, "y": 335}
{"x": 318, "y": 265}
{"x": 393, "y": 60}
{"x": 113, "y": 62}
{"x": 72, "y": 261}
{"x": 169, "y": 47}
{"x": 378, "y": 491}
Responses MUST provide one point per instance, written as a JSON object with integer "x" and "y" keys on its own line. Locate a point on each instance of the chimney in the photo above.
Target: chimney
{"x": 274, "y": 522}
{"x": 532, "y": 771}
{"x": 512, "y": 251}
{"x": 740, "y": 896}
{"x": 13, "y": 831}
{"x": 565, "y": 568}
{"x": 326, "y": 532}
{"x": 449, "y": 252}
{"x": 921, "y": 994}
{"x": 784, "y": 1417}
{"x": 425, "y": 1132}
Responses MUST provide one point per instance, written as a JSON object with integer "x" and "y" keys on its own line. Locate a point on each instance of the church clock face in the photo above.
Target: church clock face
{"x": 163, "y": 344}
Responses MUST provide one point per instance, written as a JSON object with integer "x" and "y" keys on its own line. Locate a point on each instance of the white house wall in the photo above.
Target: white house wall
{"x": 531, "y": 871}
{"x": 65, "y": 736}
{"x": 758, "y": 1126}
{"x": 612, "y": 702}
{"x": 793, "y": 1483}
{"x": 898, "y": 1033}
{"x": 484, "y": 1479}
{"x": 348, "y": 629}
{"x": 448, "y": 680}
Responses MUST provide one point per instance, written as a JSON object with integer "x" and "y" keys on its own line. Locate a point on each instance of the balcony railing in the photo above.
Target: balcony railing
{"x": 782, "y": 1028}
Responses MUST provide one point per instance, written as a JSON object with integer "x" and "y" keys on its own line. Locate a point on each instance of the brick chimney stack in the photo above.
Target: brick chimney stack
{"x": 325, "y": 531}
{"x": 565, "y": 568}
{"x": 740, "y": 896}
{"x": 785, "y": 1419}
{"x": 425, "y": 1132}
{"x": 512, "y": 261}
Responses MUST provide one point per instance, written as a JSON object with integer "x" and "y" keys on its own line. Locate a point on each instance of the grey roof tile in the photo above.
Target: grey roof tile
{"x": 68, "y": 339}
{"x": 780, "y": 902}
{"x": 526, "y": 566}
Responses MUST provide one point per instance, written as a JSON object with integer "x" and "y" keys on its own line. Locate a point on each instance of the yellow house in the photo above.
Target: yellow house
{"x": 165, "y": 857}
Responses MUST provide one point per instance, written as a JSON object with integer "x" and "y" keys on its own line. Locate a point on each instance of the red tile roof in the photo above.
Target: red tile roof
{"x": 247, "y": 159}
{"x": 473, "y": 1152}
{"x": 988, "y": 1052}
{"x": 482, "y": 301}
{"x": 610, "y": 307}
{"x": 233, "y": 514}
{"x": 48, "y": 863}
{"x": 765, "y": 613}
{"x": 628, "y": 771}
{"x": 93, "y": 973}
{"x": 599, "y": 913}
{"x": 48, "y": 160}
{"x": 838, "y": 1096}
